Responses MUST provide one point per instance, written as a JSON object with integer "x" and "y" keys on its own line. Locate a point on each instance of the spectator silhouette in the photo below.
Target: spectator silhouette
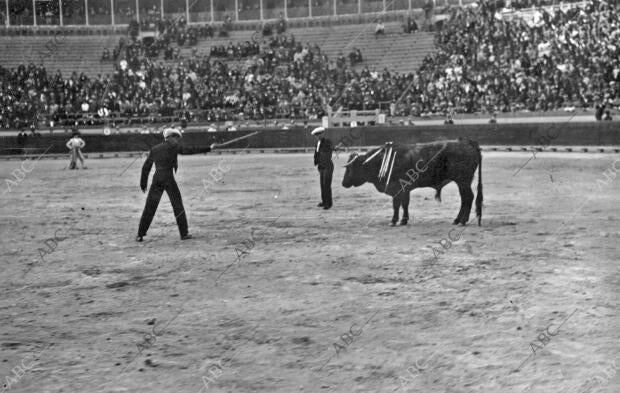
{"x": 428, "y": 8}
{"x": 410, "y": 25}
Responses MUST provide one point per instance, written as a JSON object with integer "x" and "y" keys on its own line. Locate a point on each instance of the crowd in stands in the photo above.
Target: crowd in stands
{"x": 555, "y": 60}
{"x": 168, "y": 32}
{"x": 482, "y": 63}
{"x": 235, "y": 51}
{"x": 282, "y": 81}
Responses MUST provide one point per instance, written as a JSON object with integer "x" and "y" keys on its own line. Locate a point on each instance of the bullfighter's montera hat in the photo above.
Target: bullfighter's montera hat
{"x": 318, "y": 130}
{"x": 172, "y": 132}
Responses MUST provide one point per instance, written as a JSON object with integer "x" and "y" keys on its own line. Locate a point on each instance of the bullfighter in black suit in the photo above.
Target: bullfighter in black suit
{"x": 164, "y": 155}
{"x": 323, "y": 160}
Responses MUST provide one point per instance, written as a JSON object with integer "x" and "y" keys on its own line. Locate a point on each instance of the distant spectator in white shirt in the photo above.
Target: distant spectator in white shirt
{"x": 380, "y": 28}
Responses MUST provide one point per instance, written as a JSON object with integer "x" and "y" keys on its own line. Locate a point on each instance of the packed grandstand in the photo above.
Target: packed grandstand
{"x": 489, "y": 57}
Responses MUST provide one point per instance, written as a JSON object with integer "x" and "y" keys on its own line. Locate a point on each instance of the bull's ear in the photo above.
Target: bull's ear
{"x": 351, "y": 162}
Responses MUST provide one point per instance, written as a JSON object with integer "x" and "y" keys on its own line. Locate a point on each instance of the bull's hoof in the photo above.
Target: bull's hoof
{"x": 455, "y": 222}
{"x": 393, "y": 224}
{"x": 403, "y": 222}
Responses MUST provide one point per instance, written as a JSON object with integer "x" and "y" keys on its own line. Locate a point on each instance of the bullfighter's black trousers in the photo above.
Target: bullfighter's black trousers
{"x": 325, "y": 177}
{"x": 152, "y": 201}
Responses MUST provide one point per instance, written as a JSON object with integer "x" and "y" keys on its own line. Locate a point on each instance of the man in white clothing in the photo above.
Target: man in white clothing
{"x": 75, "y": 146}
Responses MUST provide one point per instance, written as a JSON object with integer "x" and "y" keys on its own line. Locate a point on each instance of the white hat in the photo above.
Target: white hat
{"x": 318, "y": 130}
{"x": 172, "y": 131}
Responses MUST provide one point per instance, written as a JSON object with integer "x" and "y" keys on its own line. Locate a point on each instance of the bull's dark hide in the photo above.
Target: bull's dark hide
{"x": 396, "y": 169}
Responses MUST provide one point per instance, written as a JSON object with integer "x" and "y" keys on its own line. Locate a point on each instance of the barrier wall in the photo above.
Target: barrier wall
{"x": 544, "y": 134}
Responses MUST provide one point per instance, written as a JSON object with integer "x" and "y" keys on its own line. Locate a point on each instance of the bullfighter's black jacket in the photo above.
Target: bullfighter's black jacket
{"x": 164, "y": 156}
{"x": 323, "y": 155}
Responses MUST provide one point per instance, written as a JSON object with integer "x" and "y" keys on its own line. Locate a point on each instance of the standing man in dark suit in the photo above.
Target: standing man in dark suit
{"x": 323, "y": 160}
{"x": 164, "y": 156}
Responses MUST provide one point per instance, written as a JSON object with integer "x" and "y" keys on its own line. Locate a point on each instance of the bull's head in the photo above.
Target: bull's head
{"x": 354, "y": 173}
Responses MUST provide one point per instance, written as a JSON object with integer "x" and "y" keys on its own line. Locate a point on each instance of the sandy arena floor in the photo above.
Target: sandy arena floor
{"x": 318, "y": 301}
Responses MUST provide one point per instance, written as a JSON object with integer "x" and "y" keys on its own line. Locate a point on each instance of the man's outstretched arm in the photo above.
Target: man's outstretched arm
{"x": 185, "y": 150}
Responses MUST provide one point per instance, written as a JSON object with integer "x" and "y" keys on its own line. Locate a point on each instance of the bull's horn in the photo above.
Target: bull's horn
{"x": 351, "y": 162}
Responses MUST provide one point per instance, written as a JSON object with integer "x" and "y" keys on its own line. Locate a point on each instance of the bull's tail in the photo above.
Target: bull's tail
{"x": 479, "y": 196}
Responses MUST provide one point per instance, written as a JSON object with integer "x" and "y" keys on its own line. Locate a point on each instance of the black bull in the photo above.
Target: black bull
{"x": 396, "y": 169}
